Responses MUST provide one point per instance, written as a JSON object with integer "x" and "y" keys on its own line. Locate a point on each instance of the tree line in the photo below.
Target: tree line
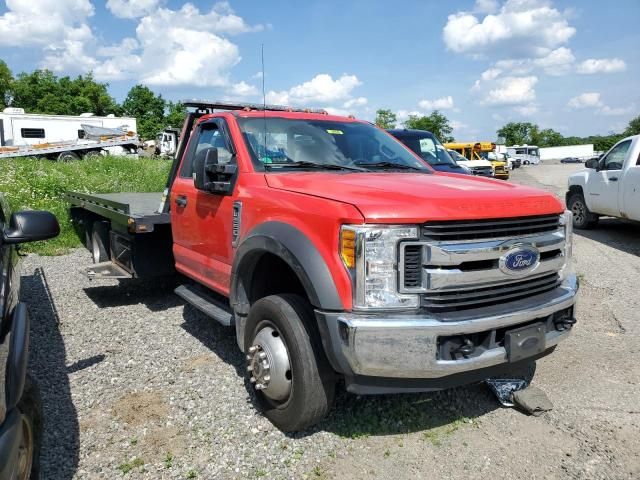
{"x": 42, "y": 91}
{"x": 513, "y": 133}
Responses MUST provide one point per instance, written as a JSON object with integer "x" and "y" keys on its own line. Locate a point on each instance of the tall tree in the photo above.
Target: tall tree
{"x": 6, "y": 79}
{"x": 386, "y": 119}
{"x": 435, "y": 123}
{"x": 518, "y": 133}
{"x": 547, "y": 138}
{"x": 633, "y": 128}
{"x": 148, "y": 108}
{"x": 176, "y": 113}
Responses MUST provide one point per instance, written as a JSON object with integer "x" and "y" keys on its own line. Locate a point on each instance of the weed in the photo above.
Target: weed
{"x": 192, "y": 474}
{"x": 433, "y": 437}
{"x": 40, "y": 184}
{"x": 134, "y": 441}
{"x": 126, "y": 467}
{"x": 318, "y": 471}
{"x": 168, "y": 461}
{"x": 261, "y": 472}
{"x": 387, "y": 453}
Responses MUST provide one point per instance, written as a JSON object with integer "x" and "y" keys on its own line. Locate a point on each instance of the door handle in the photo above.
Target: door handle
{"x": 614, "y": 179}
{"x": 181, "y": 201}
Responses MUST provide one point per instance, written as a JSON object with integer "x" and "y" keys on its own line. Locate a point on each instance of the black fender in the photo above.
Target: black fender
{"x": 18, "y": 355}
{"x": 296, "y": 250}
{"x": 573, "y": 189}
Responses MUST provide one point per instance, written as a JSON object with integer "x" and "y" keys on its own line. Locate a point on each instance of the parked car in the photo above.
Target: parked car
{"x": 571, "y": 160}
{"x": 609, "y": 186}
{"x": 20, "y": 413}
{"x": 337, "y": 255}
{"x": 428, "y": 147}
{"x": 481, "y": 168}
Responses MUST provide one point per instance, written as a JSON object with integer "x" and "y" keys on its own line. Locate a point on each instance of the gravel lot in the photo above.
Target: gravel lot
{"x": 137, "y": 385}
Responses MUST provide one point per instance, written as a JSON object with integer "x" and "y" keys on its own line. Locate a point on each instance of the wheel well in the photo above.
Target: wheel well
{"x": 270, "y": 276}
{"x": 572, "y": 189}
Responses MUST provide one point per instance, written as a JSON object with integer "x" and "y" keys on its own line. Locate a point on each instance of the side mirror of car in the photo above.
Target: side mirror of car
{"x": 592, "y": 163}
{"x": 211, "y": 176}
{"x": 30, "y": 226}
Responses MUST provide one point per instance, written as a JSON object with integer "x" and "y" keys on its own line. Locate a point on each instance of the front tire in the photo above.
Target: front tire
{"x": 582, "y": 216}
{"x": 302, "y": 383}
{"x": 30, "y": 408}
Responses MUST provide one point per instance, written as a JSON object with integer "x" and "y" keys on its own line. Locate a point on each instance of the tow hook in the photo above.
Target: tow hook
{"x": 466, "y": 349}
{"x": 564, "y": 322}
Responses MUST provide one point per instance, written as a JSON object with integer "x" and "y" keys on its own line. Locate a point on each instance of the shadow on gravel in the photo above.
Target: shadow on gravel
{"x": 358, "y": 416}
{"x": 618, "y": 234}
{"x": 61, "y": 437}
{"x": 156, "y": 295}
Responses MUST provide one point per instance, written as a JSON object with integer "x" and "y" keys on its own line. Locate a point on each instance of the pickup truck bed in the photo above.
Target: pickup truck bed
{"x": 128, "y": 208}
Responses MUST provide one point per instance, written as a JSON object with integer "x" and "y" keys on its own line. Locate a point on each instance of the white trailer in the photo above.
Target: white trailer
{"x": 63, "y": 137}
{"x": 19, "y": 129}
{"x": 582, "y": 152}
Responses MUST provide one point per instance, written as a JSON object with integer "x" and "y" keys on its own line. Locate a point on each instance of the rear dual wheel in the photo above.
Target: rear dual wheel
{"x": 286, "y": 363}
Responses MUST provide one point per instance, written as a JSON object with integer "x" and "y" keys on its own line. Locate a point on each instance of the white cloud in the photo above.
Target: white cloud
{"x": 320, "y": 89}
{"x": 456, "y": 125}
{"x": 243, "y": 89}
{"x": 612, "y": 111}
{"x": 355, "y": 102}
{"x": 491, "y": 74}
{"x": 132, "y": 8}
{"x": 601, "y": 65}
{"x": 520, "y": 27}
{"x": 586, "y": 100}
{"x": 403, "y": 115}
{"x": 444, "y": 103}
{"x": 511, "y": 91}
{"x": 556, "y": 62}
{"x": 43, "y": 22}
{"x": 486, "y": 6}
{"x": 526, "y": 110}
{"x": 341, "y": 112}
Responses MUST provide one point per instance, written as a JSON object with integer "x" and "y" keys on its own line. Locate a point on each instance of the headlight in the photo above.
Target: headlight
{"x": 370, "y": 253}
{"x": 567, "y": 221}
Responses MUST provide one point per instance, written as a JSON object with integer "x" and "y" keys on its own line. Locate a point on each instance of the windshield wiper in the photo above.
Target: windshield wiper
{"x": 387, "y": 164}
{"x": 317, "y": 166}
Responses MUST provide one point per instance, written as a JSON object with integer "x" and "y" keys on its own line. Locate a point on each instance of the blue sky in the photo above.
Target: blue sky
{"x": 568, "y": 65}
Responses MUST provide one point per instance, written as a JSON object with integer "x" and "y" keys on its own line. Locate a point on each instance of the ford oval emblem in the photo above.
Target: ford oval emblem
{"x": 519, "y": 260}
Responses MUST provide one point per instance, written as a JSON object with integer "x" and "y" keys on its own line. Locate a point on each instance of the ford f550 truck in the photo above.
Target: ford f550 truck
{"x": 608, "y": 186}
{"x": 338, "y": 255}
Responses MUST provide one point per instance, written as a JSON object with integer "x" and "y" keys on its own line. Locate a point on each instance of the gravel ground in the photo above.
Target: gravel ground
{"x": 137, "y": 385}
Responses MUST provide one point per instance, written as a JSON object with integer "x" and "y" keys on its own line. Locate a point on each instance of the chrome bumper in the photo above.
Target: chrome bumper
{"x": 401, "y": 346}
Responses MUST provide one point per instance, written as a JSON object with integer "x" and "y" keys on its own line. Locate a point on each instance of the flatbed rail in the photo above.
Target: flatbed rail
{"x": 137, "y": 211}
{"x": 53, "y": 148}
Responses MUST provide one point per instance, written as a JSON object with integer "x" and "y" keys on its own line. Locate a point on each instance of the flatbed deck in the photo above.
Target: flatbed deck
{"x": 132, "y": 209}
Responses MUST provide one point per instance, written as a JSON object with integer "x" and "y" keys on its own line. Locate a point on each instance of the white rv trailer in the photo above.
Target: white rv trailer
{"x": 63, "y": 137}
{"x": 528, "y": 154}
{"x": 18, "y": 128}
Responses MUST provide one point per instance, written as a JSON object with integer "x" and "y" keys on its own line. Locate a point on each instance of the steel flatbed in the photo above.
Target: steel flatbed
{"x": 137, "y": 211}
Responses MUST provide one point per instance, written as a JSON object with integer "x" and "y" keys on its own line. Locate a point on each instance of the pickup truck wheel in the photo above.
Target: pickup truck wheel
{"x": 582, "y": 217}
{"x": 100, "y": 242}
{"x": 30, "y": 408}
{"x": 286, "y": 363}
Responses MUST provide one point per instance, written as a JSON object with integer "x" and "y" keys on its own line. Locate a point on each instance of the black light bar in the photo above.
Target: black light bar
{"x": 211, "y": 105}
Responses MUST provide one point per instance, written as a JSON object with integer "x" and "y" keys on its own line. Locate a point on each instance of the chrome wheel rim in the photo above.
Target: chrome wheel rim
{"x": 579, "y": 211}
{"x": 269, "y": 365}
{"x": 25, "y": 450}
{"x": 96, "y": 252}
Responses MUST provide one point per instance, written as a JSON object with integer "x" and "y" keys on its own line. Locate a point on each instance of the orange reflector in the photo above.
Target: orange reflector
{"x": 348, "y": 247}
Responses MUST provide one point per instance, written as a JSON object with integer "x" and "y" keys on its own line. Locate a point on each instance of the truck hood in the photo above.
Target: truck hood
{"x": 475, "y": 163}
{"x": 415, "y": 198}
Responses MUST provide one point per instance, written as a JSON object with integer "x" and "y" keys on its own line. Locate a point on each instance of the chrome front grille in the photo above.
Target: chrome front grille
{"x": 484, "y": 229}
{"x": 482, "y": 171}
{"x": 456, "y": 265}
{"x": 460, "y": 299}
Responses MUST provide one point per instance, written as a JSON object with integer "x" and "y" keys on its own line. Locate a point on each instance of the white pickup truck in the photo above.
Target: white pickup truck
{"x": 609, "y": 186}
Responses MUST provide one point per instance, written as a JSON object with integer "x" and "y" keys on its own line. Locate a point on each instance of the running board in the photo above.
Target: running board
{"x": 204, "y": 302}
{"x": 105, "y": 270}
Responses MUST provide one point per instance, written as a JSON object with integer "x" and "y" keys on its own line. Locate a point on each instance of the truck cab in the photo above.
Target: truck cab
{"x": 339, "y": 256}
{"x": 608, "y": 186}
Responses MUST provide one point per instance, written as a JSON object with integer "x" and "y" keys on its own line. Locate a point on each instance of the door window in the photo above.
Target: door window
{"x": 614, "y": 160}
{"x": 209, "y": 136}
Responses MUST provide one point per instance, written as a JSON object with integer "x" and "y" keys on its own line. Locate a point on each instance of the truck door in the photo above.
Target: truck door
{"x": 630, "y": 186}
{"x": 604, "y": 184}
{"x": 201, "y": 222}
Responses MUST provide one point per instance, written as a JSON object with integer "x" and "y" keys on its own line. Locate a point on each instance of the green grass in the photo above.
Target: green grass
{"x": 128, "y": 466}
{"x": 37, "y": 184}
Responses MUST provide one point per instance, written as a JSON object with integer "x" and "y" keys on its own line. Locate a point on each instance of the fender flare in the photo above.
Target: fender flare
{"x": 296, "y": 250}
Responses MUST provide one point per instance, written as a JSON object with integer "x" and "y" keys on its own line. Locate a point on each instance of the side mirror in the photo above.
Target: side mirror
{"x": 211, "y": 176}
{"x": 203, "y": 160}
{"x": 592, "y": 163}
{"x": 30, "y": 226}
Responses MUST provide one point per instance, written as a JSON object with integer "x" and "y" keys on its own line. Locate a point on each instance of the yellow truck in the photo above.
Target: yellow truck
{"x": 475, "y": 151}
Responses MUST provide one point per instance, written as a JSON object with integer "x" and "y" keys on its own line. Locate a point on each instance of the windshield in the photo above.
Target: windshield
{"x": 427, "y": 147}
{"x": 286, "y": 143}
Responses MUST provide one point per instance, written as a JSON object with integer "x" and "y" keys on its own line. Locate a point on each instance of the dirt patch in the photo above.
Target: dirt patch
{"x": 159, "y": 442}
{"x": 197, "y": 362}
{"x": 138, "y": 408}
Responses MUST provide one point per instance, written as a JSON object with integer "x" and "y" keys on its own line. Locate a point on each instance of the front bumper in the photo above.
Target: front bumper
{"x": 406, "y": 346}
